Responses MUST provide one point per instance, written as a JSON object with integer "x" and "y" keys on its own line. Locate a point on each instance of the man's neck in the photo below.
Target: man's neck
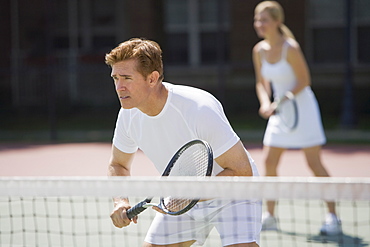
{"x": 158, "y": 101}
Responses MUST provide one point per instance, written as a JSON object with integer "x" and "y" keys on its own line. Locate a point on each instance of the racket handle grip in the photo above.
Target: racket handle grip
{"x": 136, "y": 210}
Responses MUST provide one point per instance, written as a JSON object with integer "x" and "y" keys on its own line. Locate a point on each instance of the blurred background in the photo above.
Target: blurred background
{"x": 55, "y": 86}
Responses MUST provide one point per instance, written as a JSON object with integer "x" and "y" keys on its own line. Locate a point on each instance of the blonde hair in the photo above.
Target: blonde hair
{"x": 277, "y": 13}
{"x": 147, "y": 53}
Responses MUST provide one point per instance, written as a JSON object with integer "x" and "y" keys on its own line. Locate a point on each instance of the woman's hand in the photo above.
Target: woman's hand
{"x": 267, "y": 110}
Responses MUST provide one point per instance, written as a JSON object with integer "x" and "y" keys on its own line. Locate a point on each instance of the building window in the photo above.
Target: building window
{"x": 86, "y": 25}
{"x": 196, "y": 31}
{"x": 327, "y": 31}
{"x": 363, "y": 30}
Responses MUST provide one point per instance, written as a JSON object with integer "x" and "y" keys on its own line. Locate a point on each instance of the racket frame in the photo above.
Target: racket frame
{"x": 143, "y": 205}
{"x": 288, "y": 97}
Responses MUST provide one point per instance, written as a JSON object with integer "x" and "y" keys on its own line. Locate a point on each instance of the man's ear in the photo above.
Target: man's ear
{"x": 153, "y": 77}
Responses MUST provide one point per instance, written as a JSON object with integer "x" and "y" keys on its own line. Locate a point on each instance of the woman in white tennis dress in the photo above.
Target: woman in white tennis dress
{"x": 280, "y": 64}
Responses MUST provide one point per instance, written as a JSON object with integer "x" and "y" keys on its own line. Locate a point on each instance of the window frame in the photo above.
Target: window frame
{"x": 312, "y": 25}
{"x": 194, "y": 30}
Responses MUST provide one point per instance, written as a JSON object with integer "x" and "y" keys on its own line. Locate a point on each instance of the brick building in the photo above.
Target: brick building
{"x": 53, "y": 50}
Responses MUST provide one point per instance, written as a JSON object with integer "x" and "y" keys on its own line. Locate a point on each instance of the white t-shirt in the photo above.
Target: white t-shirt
{"x": 189, "y": 113}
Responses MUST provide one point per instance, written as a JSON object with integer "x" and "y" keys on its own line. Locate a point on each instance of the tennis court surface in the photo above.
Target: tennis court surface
{"x": 73, "y": 210}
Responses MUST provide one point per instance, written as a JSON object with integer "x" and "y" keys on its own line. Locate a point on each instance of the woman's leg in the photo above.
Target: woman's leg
{"x": 332, "y": 224}
{"x": 272, "y": 158}
{"x": 313, "y": 157}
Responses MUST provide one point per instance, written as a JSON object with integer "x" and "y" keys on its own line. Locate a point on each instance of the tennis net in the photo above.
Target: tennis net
{"x": 74, "y": 211}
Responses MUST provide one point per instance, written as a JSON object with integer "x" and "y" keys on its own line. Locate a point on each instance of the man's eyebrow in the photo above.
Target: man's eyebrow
{"x": 115, "y": 75}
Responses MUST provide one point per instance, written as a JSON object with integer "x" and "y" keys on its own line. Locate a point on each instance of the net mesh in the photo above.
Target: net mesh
{"x": 74, "y": 211}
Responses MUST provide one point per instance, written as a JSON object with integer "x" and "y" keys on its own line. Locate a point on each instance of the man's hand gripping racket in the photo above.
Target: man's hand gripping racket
{"x": 193, "y": 159}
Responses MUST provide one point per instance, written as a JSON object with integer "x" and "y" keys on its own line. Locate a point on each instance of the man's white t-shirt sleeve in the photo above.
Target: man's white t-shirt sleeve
{"x": 216, "y": 129}
{"x": 121, "y": 138}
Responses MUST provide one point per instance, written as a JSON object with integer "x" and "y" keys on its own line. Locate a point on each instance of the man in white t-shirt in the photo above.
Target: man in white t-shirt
{"x": 159, "y": 118}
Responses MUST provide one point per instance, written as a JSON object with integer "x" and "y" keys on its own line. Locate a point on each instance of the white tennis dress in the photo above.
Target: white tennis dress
{"x": 309, "y": 131}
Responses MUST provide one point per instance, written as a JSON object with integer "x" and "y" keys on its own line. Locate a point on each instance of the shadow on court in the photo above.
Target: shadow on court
{"x": 289, "y": 237}
{"x": 341, "y": 240}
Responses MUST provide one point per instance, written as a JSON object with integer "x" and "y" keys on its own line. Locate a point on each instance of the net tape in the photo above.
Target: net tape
{"x": 226, "y": 187}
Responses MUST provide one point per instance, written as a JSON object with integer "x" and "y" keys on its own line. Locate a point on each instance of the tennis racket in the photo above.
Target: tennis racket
{"x": 195, "y": 158}
{"x": 287, "y": 112}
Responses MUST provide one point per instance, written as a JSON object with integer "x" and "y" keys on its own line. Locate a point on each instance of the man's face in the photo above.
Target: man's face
{"x": 131, "y": 87}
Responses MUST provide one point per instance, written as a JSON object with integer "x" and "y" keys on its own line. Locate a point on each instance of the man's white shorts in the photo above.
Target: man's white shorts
{"x": 237, "y": 221}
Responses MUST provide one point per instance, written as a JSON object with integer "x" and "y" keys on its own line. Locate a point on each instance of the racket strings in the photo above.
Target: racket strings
{"x": 193, "y": 161}
{"x": 173, "y": 204}
{"x": 288, "y": 114}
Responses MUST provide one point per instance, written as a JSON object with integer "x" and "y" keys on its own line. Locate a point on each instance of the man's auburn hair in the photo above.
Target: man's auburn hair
{"x": 147, "y": 53}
